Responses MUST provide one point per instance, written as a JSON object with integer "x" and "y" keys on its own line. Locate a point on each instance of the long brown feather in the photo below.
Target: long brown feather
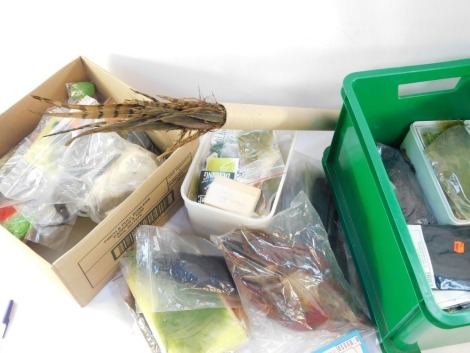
{"x": 193, "y": 117}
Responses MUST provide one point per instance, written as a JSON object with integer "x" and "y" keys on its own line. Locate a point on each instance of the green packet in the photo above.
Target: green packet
{"x": 14, "y": 222}
{"x": 78, "y": 90}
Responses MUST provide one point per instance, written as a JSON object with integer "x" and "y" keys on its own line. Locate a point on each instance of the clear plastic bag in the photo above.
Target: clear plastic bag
{"x": 77, "y": 91}
{"x": 51, "y": 224}
{"x": 290, "y": 284}
{"x": 96, "y": 172}
{"x": 34, "y": 171}
{"x": 32, "y": 180}
{"x": 90, "y": 177}
{"x": 307, "y": 175}
{"x": 261, "y": 165}
{"x": 182, "y": 272}
{"x": 252, "y": 157}
{"x": 101, "y": 170}
{"x": 218, "y": 330}
{"x": 409, "y": 193}
{"x": 224, "y": 144}
{"x": 449, "y": 156}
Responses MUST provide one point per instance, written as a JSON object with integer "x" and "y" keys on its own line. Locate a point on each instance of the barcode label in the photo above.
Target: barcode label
{"x": 123, "y": 245}
{"x": 416, "y": 234}
{"x": 164, "y": 204}
{"x": 347, "y": 345}
{"x": 151, "y": 218}
{"x": 351, "y": 343}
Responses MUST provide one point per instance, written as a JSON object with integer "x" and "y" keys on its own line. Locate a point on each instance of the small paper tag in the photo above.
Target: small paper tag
{"x": 459, "y": 247}
{"x": 350, "y": 343}
{"x": 232, "y": 195}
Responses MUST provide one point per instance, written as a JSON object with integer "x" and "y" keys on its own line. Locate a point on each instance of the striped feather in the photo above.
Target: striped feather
{"x": 193, "y": 117}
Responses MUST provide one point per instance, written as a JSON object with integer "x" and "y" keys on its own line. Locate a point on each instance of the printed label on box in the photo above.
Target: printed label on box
{"x": 177, "y": 174}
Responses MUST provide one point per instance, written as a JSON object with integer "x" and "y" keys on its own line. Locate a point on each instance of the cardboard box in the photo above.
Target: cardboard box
{"x": 92, "y": 253}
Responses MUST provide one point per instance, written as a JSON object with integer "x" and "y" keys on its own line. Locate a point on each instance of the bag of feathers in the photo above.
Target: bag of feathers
{"x": 291, "y": 287}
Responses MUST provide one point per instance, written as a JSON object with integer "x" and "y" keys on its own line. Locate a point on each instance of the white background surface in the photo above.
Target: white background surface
{"x": 280, "y": 53}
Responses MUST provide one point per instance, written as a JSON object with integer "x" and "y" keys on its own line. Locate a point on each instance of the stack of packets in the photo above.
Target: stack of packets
{"x": 242, "y": 171}
{"x": 46, "y": 184}
{"x": 276, "y": 288}
{"x": 442, "y": 249}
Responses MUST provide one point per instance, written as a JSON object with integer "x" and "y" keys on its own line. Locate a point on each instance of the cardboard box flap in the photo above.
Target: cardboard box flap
{"x": 107, "y": 84}
{"x": 28, "y": 110}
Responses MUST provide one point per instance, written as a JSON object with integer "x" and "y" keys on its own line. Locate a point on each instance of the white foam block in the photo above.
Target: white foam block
{"x": 232, "y": 195}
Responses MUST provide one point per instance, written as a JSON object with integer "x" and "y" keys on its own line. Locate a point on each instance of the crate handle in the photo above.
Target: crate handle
{"x": 440, "y": 85}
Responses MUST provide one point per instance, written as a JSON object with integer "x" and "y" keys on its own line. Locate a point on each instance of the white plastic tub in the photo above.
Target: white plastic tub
{"x": 206, "y": 220}
{"x": 414, "y": 146}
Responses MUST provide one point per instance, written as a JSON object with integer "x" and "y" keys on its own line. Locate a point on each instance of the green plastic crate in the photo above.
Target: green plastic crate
{"x": 376, "y": 110}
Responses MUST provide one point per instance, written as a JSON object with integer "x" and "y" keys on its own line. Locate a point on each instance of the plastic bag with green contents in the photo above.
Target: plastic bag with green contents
{"x": 449, "y": 155}
{"x": 13, "y": 221}
{"x": 216, "y": 330}
{"x": 78, "y": 90}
